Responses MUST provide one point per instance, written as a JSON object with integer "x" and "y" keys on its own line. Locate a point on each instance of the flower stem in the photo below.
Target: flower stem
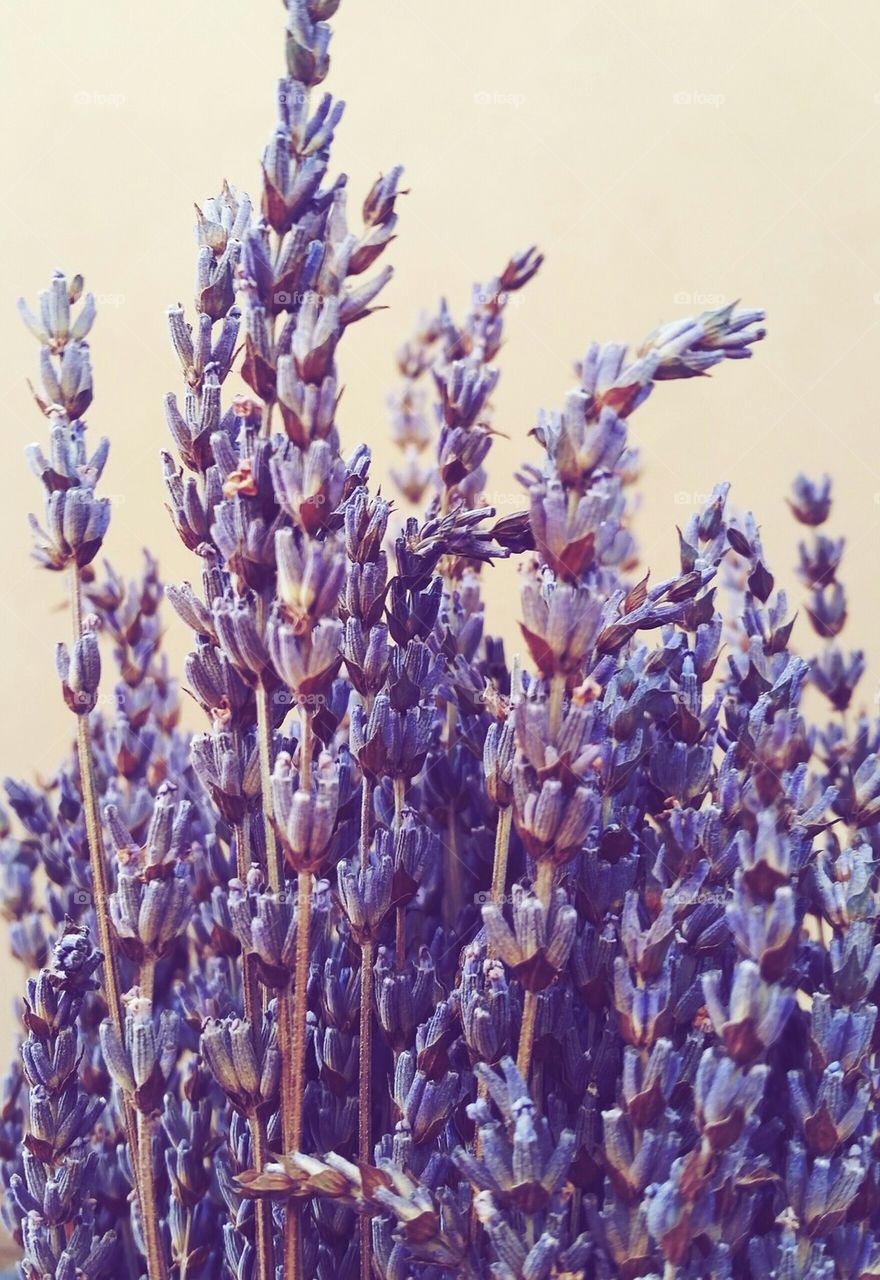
{"x": 156, "y": 1269}
{"x": 184, "y": 1261}
{"x": 111, "y": 988}
{"x": 286, "y": 1044}
{"x": 365, "y": 1062}
{"x": 505, "y": 815}
{"x": 156, "y": 1265}
{"x": 557, "y": 699}
{"x": 453, "y": 888}
{"x": 292, "y": 1025}
{"x": 400, "y": 910}
{"x": 365, "y": 1048}
{"x": 543, "y": 889}
{"x": 274, "y": 866}
{"x": 253, "y": 1012}
{"x": 147, "y": 978}
{"x": 502, "y": 848}
{"x": 301, "y": 975}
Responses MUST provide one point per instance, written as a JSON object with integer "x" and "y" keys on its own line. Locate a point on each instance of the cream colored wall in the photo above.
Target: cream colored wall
{"x": 662, "y": 155}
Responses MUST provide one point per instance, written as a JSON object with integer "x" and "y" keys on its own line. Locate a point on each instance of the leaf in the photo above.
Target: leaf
{"x": 256, "y": 1182}
{"x": 373, "y": 1179}
{"x": 740, "y": 543}
{"x": 274, "y": 206}
{"x": 257, "y": 372}
{"x": 761, "y": 581}
{"x": 539, "y": 649}
{"x": 637, "y": 596}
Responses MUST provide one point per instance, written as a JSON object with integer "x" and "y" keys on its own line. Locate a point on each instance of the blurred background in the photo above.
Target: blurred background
{"x": 666, "y": 159}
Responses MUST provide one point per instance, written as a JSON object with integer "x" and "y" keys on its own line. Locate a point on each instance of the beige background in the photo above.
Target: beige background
{"x": 664, "y": 156}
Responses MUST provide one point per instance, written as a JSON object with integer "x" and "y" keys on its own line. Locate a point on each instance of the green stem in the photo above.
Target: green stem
{"x": 400, "y": 909}
{"x": 502, "y": 849}
{"x": 253, "y": 1011}
{"x": 274, "y": 866}
{"x": 505, "y": 815}
{"x": 543, "y": 889}
{"x": 184, "y": 1261}
{"x": 94, "y": 835}
{"x": 111, "y": 988}
{"x": 365, "y": 1043}
{"x": 292, "y": 1026}
{"x": 365, "y": 1063}
{"x": 156, "y": 1268}
{"x": 452, "y": 881}
{"x": 557, "y": 699}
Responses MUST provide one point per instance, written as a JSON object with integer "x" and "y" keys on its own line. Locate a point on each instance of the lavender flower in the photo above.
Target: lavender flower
{"x": 414, "y": 963}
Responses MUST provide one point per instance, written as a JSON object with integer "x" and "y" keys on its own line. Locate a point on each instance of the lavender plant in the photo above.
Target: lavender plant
{"x": 419, "y": 963}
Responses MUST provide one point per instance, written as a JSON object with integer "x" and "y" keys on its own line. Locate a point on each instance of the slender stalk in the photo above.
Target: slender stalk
{"x": 253, "y": 1011}
{"x": 111, "y": 987}
{"x": 147, "y": 979}
{"x": 301, "y": 975}
{"x": 290, "y": 1137}
{"x": 156, "y": 1268}
{"x": 274, "y": 865}
{"x": 502, "y": 849}
{"x": 293, "y": 1051}
{"x": 292, "y": 1026}
{"x": 400, "y": 909}
{"x": 365, "y": 1044}
{"x": 400, "y": 937}
{"x": 499, "y": 887}
{"x": 146, "y": 1173}
{"x": 505, "y": 815}
{"x": 365, "y": 1062}
{"x": 97, "y": 858}
{"x": 557, "y": 698}
{"x": 453, "y": 886}
{"x": 184, "y": 1262}
{"x": 543, "y": 888}
{"x": 262, "y": 1208}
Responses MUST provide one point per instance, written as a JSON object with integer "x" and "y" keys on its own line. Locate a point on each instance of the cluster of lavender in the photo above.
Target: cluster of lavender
{"x": 417, "y": 963}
